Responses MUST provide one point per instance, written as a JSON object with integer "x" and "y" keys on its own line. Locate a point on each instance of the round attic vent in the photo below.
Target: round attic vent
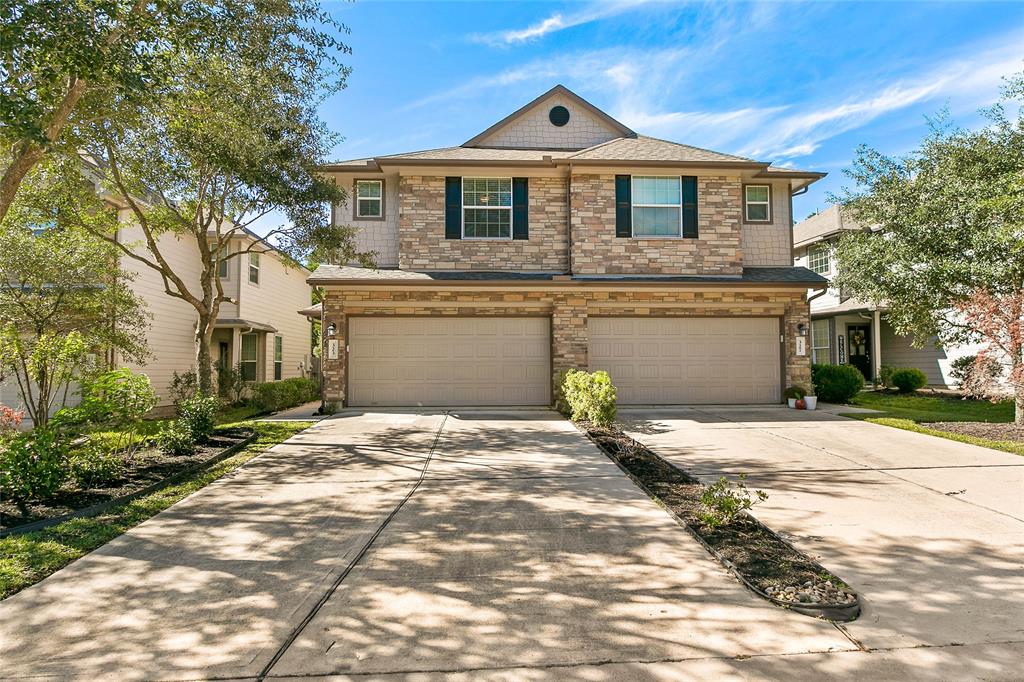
{"x": 558, "y": 116}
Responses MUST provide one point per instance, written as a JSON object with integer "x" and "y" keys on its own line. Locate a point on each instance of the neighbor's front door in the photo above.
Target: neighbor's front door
{"x": 858, "y": 340}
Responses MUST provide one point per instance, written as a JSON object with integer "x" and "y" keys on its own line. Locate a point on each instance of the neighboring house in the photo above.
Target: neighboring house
{"x": 847, "y": 331}
{"x": 559, "y": 238}
{"x": 261, "y": 333}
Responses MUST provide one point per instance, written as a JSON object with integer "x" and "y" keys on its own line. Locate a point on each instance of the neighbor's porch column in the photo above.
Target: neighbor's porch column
{"x": 876, "y": 343}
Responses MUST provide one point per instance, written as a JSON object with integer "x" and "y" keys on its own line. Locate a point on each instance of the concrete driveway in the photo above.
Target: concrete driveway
{"x": 523, "y": 554}
{"x": 928, "y": 530}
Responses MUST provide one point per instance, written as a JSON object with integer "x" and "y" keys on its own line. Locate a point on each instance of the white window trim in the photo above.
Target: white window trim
{"x": 824, "y": 248}
{"x": 257, "y": 267}
{"x": 767, "y": 203}
{"x": 380, "y": 199}
{"x": 256, "y": 355}
{"x": 827, "y": 339}
{"x": 462, "y": 198}
{"x": 632, "y": 205}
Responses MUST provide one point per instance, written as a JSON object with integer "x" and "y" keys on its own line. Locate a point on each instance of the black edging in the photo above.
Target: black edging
{"x": 97, "y": 509}
{"x": 842, "y": 613}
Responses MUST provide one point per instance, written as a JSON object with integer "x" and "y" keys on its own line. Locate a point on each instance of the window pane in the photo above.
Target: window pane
{"x": 757, "y": 193}
{"x": 368, "y": 189}
{"x": 818, "y": 259}
{"x": 248, "y": 348}
{"x": 278, "y": 347}
{"x": 248, "y": 371}
{"x": 654, "y": 190}
{"x": 222, "y": 269}
{"x": 487, "y": 191}
{"x": 488, "y": 223}
{"x": 757, "y": 211}
{"x": 369, "y": 208}
{"x": 655, "y": 221}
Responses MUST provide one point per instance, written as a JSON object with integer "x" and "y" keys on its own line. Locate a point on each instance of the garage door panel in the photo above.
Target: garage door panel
{"x": 688, "y": 360}
{"x": 449, "y": 361}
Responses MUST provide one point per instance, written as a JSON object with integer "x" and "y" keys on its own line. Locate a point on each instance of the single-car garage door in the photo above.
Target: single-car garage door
{"x": 673, "y": 360}
{"x": 449, "y": 361}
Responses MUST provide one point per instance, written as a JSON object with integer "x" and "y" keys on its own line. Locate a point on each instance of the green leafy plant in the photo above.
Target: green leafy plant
{"x": 721, "y": 502}
{"x": 884, "y": 378}
{"x": 33, "y": 466}
{"x": 330, "y": 407}
{"x": 183, "y": 386}
{"x": 175, "y": 438}
{"x": 908, "y": 379}
{"x": 836, "y": 383}
{"x": 117, "y": 399}
{"x": 278, "y": 395}
{"x": 43, "y": 367}
{"x": 589, "y": 396}
{"x": 795, "y": 392}
{"x": 197, "y": 415}
{"x": 91, "y": 466}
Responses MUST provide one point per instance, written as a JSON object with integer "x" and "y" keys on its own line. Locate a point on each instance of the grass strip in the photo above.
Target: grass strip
{"x": 27, "y": 559}
{"x": 1010, "y": 446}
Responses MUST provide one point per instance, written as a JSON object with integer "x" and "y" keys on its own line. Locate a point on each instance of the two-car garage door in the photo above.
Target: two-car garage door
{"x": 445, "y": 361}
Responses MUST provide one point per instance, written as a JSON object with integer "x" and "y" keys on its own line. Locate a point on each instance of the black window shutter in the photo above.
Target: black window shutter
{"x": 520, "y": 209}
{"x": 623, "y": 207}
{"x": 690, "y": 206}
{"x": 453, "y": 208}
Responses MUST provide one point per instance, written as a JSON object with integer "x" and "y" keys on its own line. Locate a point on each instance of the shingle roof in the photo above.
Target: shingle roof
{"x": 328, "y": 274}
{"x": 643, "y": 148}
{"x": 821, "y": 225}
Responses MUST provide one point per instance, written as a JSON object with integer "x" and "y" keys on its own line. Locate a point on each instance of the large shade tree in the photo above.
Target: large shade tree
{"x": 232, "y": 137}
{"x": 944, "y": 247}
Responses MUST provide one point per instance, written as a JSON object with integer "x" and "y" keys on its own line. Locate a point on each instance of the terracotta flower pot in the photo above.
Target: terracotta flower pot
{"x": 801, "y": 404}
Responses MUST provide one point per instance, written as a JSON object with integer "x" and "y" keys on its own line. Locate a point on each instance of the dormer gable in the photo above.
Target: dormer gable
{"x": 558, "y": 119}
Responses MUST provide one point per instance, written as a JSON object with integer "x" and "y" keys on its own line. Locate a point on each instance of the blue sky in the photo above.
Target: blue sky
{"x": 797, "y": 83}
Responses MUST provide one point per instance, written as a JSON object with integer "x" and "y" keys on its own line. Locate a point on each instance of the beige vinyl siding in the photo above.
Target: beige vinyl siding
{"x": 281, "y": 293}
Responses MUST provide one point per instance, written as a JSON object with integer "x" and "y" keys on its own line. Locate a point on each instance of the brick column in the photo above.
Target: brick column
{"x": 798, "y": 367}
{"x": 568, "y": 335}
{"x": 333, "y": 371}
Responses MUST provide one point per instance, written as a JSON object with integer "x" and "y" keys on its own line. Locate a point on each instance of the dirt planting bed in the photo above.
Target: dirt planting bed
{"x": 756, "y": 555}
{"x": 146, "y": 468}
{"x": 991, "y": 431}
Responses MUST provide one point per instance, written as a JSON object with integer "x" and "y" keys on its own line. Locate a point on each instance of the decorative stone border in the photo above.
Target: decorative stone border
{"x": 837, "y": 612}
{"x": 97, "y": 509}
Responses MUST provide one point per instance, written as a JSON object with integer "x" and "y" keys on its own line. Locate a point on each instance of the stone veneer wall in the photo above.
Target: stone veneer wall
{"x": 569, "y": 311}
{"x": 597, "y": 251}
{"x": 423, "y": 246}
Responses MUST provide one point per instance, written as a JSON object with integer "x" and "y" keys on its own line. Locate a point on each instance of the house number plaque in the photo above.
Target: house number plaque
{"x": 332, "y": 349}
{"x": 801, "y": 345}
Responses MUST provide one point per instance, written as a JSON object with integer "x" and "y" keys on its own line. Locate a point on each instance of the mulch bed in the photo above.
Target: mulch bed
{"x": 763, "y": 560}
{"x": 991, "y": 431}
{"x": 149, "y": 466}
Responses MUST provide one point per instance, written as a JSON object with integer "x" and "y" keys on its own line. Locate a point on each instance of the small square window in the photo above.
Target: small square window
{"x": 369, "y": 199}
{"x": 757, "y": 203}
{"x": 254, "y": 268}
{"x": 818, "y": 259}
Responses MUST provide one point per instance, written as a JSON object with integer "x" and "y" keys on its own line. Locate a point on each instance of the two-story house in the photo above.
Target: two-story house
{"x": 559, "y": 238}
{"x": 845, "y": 330}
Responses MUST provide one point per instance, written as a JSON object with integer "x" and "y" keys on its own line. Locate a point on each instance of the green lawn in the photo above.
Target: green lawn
{"x": 27, "y": 559}
{"x": 908, "y": 412}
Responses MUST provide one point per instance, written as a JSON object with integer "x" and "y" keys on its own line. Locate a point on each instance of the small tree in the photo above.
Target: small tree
{"x": 999, "y": 320}
{"x": 43, "y": 367}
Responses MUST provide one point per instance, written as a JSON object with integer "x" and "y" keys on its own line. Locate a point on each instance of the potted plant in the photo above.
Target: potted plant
{"x": 800, "y": 404}
{"x": 811, "y": 401}
{"x": 793, "y": 394}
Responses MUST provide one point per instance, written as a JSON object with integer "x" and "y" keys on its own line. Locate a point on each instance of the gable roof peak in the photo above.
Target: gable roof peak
{"x": 558, "y": 90}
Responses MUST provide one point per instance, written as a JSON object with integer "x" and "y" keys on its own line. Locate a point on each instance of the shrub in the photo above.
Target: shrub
{"x": 231, "y": 385}
{"x": 278, "y": 395}
{"x": 184, "y": 386}
{"x": 91, "y": 467}
{"x": 175, "y": 439}
{"x": 884, "y": 377}
{"x": 118, "y": 399}
{"x": 10, "y": 420}
{"x": 795, "y": 393}
{"x": 197, "y": 415}
{"x": 970, "y": 369}
{"x": 908, "y": 379}
{"x": 836, "y": 383}
{"x": 33, "y": 466}
{"x": 589, "y": 396}
{"x": 721, "y": 502}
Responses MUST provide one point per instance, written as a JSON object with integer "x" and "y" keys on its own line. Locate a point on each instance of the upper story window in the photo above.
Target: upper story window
{"x": 657, "y": 206}
{"x": 254, "y": 268}
{"x": 222, "y": 263}
{"x": 369, "y": 202}
{"x": 818, "y": 259}
{"x": 487, "y": 208}
{"x": 757, "y": 206}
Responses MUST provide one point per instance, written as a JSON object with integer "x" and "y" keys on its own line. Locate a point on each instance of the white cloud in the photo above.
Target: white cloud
{"x": 558, "y": 22}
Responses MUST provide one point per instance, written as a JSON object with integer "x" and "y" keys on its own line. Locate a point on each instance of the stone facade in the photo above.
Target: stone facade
{"x": 597, "y": 251}
{"x": 424, "y": 247}
{"x": 569, "y": 311}
{"x": 534, "y": 130}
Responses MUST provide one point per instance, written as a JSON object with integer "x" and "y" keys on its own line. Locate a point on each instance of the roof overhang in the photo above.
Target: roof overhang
{"x": 239, "y": 323}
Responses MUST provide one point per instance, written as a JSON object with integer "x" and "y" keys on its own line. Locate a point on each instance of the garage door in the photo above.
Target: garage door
{"x": 688, "y": 360}
{"x": 449, "y": 361}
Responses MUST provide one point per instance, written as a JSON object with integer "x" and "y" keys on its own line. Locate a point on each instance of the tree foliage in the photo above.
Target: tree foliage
{"x": 945, "y": 224}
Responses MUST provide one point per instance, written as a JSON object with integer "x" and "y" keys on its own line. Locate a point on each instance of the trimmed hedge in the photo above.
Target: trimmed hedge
{"x": 908, "y": 379}
{"x": 836, "y": 383}
{"x": 274, "y": 396}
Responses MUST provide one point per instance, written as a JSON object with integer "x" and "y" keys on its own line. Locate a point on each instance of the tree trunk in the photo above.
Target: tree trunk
{"x": 1018, "y": 411}
{"x": 204, "y": 363}
{"x": 25, "y": 157}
